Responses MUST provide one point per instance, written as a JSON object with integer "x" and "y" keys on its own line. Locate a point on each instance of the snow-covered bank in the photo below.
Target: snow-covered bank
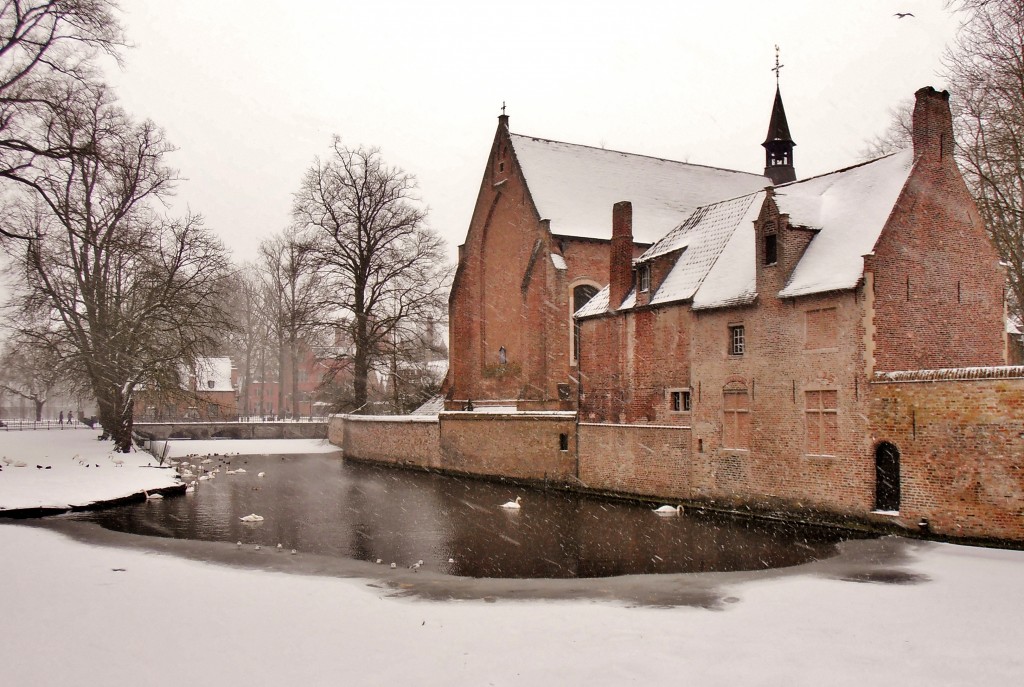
{"x": 71, "y": 469}
{"x": 67, "y": 469}
{"x": 178, "y": 448}
{"x": 105, "y": 616}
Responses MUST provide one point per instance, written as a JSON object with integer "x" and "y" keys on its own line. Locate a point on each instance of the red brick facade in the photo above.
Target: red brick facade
{"x": 764, "y": 401}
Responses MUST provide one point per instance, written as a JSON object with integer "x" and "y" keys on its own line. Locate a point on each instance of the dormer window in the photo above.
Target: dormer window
{"x": 771, "y": 245}
{"x": 643, "y": 278}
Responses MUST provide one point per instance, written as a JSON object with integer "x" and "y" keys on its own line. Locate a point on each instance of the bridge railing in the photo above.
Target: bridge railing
{"x": 7, "y": 425}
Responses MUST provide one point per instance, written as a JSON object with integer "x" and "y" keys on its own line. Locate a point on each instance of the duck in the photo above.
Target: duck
{"x": 669, "y": 510}
{"x": 252, "y": 517}
{"x": 513, "y": 505}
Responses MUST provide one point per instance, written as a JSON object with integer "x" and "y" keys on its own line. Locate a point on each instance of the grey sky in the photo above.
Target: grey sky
{"x": 251, "y": 92}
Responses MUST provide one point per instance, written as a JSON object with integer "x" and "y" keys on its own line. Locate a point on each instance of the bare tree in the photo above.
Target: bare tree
{"x": 897, "y": 136}
{"x": 47, "y": 50}
{"x": 248, "y": 337}
{"x": 31, "y": 373}
{"x": 122, "y": 294}
{"x": 295, "y": 299}
{"x": 986, "y": 72}
{"x": 370, "y": 236}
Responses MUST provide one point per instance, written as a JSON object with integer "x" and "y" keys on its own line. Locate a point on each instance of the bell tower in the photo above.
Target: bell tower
{"x": 778, "y": 146}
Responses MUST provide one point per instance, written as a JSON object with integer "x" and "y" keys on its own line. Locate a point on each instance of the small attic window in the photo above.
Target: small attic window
{"x": 643, "y": 278}
{"x": 771, "y": 248}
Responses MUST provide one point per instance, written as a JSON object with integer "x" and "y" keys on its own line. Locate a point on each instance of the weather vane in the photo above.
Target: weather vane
{"x": 502, "y": 108}
{"x": 777, "y": 66}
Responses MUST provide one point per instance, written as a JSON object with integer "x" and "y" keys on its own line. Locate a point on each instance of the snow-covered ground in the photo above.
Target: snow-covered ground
{"x": 89, "y": 614}
{"x": 70, "y": 468}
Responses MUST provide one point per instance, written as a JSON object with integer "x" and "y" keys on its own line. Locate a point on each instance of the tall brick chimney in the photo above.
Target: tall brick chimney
{"x": 933, "y": 124}
{"x": 620, "y": 277}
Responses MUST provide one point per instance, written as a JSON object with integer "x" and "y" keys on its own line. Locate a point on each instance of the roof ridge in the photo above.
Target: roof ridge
{"x": 623, "y": 152}
{"x": 843, "y": 169}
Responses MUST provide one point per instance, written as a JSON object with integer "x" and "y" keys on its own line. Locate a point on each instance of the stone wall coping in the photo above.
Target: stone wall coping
{"x": 518, "y": 415}
{"x": 431, "y": 419}
{"x": 951, "y": 374}
{"x": 633, "y": 425}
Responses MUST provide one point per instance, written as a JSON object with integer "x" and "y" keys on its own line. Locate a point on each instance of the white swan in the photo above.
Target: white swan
{"x": 513, "y": 505}
{"x": 262, "y": 474}
{"x": 21, "y": 464}
{"x": 240, "y": 471}
{"x": 152, "y": 496}
{"x": 252, "y": 517}
{"x": 669, "y": 510}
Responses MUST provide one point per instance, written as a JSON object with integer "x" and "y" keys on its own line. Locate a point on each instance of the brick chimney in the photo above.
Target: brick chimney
{"x": 933, "y": 123}
{"x": 620, "y": 278}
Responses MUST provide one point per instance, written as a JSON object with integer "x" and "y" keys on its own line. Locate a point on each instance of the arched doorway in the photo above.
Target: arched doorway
{"x": 887, "y": 477}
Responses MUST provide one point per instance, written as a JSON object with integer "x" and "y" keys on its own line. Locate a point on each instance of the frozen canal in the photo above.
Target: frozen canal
{"x": 318, "y": 504}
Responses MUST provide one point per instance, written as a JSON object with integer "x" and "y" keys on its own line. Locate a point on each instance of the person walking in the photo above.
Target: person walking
{"x": 61, "y": 420}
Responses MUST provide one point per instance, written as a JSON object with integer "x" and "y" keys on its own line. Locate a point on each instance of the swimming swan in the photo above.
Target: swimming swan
{"x": 152, "y": 496}
{"x": 669, "y": 510}
{"x": 252, "y": 517}
{"x": 513, "y": 504}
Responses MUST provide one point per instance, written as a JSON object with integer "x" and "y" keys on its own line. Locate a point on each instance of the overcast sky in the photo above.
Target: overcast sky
{"x": 251, "y": 91}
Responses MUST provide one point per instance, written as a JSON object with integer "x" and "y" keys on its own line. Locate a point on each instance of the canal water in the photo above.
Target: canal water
{"x": 321, "y": 504}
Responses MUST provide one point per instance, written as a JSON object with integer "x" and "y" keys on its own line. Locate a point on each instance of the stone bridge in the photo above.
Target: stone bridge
{"x": 231, "y": 430}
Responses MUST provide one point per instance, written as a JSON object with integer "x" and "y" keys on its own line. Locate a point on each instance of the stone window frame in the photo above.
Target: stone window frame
{"x": 736, "y": 414}
{"x": 817, "y": 417}
{"x": 680, "y": 396}
{"x": 737, "y": 339}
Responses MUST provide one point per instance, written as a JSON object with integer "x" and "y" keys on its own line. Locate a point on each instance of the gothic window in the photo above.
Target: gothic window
{"x": 736, "y": 418}
{"x": 821, "y": 414}
{"x": 581, "y": 295}
{"x": 502, "y": 356}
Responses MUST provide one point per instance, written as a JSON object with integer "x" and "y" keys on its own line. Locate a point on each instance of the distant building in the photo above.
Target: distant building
{"x": 206, "y": 391}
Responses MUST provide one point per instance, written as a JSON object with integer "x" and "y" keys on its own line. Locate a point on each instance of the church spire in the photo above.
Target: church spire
{"x": 778, "y": 145}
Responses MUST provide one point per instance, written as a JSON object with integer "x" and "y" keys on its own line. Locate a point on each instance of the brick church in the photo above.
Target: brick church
{"x": 636, "y": 326}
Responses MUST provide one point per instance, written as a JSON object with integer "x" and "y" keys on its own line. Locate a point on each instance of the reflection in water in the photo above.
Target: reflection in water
{"x": 320, "y": 504}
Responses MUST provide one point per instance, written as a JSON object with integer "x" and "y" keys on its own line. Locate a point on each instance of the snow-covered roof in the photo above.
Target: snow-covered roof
{"x": 849, "y": 208}
{"x": 216, "y": 370}
{"x": 575, "y": 187}
{"x": 716, "y": 266}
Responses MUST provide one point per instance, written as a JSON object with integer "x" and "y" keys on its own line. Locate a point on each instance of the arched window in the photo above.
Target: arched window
{"x": 581, "y": 295}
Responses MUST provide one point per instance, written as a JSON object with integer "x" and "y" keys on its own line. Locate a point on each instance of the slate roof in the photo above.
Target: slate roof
{"x": 716, "y": 267}
{"x": 575, "y": 186}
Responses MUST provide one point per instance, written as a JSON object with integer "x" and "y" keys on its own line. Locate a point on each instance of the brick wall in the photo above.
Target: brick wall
{"x": 780, "y": 370}
{"x": 648, "y": 460}
{"x": 394, "y": 440}
{"x": 520, "y": 446}
{"x": 938, "y": 286}
{"x": 961, "y": 445}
